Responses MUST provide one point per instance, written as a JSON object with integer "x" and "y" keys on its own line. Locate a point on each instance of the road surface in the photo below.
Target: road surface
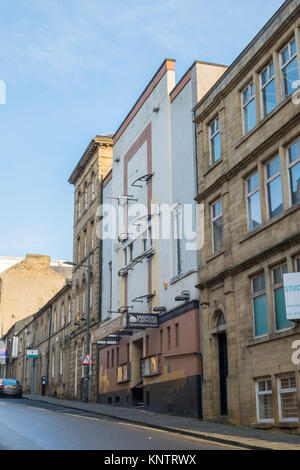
{"x": 29, "y": 425}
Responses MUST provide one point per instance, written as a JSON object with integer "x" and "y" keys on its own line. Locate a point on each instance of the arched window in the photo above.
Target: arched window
{"x": 79, "y": 205}
{"x": 93, "y": 186}
{"x": 69, "y": 308}
{"x": 62, "y": 314}
{"x": 61, "y": 361}
{"x": 53, "y": 363}
{"x": 54, "y": 319}
{"x": 220, "y": 320}
{"x": 85, "y": 197}
{"x": 78, "y": 308}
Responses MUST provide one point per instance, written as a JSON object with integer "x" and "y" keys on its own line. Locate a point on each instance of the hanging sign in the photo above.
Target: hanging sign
{"x": 109, "y": 327}
{"x": 14, "y": 349}
{"x": 142, "y": 320}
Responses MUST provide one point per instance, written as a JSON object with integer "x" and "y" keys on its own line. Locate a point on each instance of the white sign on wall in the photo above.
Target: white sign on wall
{"x": 292, "y": 295}
{"x": 14, "y": 349}
{"x": 32, "y": 353}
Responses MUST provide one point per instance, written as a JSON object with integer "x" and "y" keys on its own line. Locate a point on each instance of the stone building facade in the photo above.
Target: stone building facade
{"x": 48, "y": 332}
{"x": 248, "y": 145}
{"x": 10, "y": 367}
{"x": 86, "y": 178}
{"x": 150, "y": 303}
{"x": 27, "y": 285}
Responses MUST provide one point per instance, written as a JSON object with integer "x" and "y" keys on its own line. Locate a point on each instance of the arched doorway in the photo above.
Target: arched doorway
{"x": 223, "y": 371}
{"x": 223, "y": 360}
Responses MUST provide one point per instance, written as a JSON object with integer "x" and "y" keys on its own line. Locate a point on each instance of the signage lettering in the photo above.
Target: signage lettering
{"x": 142, "y": 320}
{"x": 292, "y": 295}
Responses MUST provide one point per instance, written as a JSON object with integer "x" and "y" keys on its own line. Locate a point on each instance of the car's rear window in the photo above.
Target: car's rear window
{"x": 9, "y": 382}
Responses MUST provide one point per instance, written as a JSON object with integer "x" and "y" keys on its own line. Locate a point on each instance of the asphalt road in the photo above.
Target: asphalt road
{"x": 29, "y": 425}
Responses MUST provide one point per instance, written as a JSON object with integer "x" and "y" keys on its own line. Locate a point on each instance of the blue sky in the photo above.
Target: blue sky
{"x": 73, "y": 69}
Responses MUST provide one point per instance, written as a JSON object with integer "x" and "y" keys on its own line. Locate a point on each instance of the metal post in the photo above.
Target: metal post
{"x": 49, "y": 345}
{"x": 87, "y": 370}
{"x": 87, "y": 349}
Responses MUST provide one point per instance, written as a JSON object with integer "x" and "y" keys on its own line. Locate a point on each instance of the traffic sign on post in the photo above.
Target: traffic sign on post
{"x": 87, "y": 360}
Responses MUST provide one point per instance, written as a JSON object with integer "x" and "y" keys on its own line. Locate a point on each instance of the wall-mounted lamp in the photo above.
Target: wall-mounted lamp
{"x": 159, "y": 309}
{"x": 183, "y": 297}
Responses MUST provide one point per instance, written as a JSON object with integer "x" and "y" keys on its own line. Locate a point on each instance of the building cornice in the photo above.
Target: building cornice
{"x": 281, "y": 20}
{"x": 60, "y": 293}
{"x": 249, "y": 262}
{"x": 242, "y": 164}
{"x": 96, "y": 143}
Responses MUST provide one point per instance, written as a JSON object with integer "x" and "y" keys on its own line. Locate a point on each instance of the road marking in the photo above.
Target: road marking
{"x": 81, "y": 416}
{"x": 39, "y": 409}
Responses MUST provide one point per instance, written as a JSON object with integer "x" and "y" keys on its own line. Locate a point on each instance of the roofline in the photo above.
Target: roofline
{"x": 168, "y": 64}
{"x": 243, "y": 53}
{"x": 88, "y": 154}
{"x": 53, "y": 299}
{"x": 33, "y": 316}
{"x": 29, "y": 319}
{"x": 107, "y": 178}
{"x": 188, "y": 75}
{"x": 181, "y": 84}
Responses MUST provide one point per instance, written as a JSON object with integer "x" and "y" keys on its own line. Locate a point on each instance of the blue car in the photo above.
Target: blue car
{"x": 10, "y": 388}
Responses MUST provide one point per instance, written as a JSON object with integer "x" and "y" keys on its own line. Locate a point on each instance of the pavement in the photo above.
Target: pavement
{"x": 244, "y": 437}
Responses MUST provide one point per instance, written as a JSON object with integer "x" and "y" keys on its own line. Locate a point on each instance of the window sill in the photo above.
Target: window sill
{"x": 275, "y": 336}
{"x": 264, "y": 425}
{"x": 288, "y": 424}
{"x": 150, "y": 375}
{"x": 269, "y": 223}
{"x": 85, "y": 211}
{"x": 213, "y": 166}
{"x": 215, "y": 255}
{"x": 263, "y": 121}
{"x": 180, "y": 276}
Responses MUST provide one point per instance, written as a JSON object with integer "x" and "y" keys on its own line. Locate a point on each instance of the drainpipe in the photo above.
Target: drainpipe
{"x": 100, "y": 254}
{"x": 200, "y": 407}
{"x": 100, "y": 287}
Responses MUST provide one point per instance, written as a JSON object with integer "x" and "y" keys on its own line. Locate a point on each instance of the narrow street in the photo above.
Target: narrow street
{"x": 31, "y": 425}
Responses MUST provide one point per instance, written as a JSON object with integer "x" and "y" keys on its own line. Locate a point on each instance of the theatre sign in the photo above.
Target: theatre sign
{"x": 142, "y": 320}
{"x": 292, "y": 295}
{"x": 124, "y": 324}
{"x": 109, "y": 327}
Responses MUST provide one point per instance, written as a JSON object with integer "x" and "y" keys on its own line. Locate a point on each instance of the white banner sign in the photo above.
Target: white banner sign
{"x": 14, "y": 349}
{"x": 292, "y": 295}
